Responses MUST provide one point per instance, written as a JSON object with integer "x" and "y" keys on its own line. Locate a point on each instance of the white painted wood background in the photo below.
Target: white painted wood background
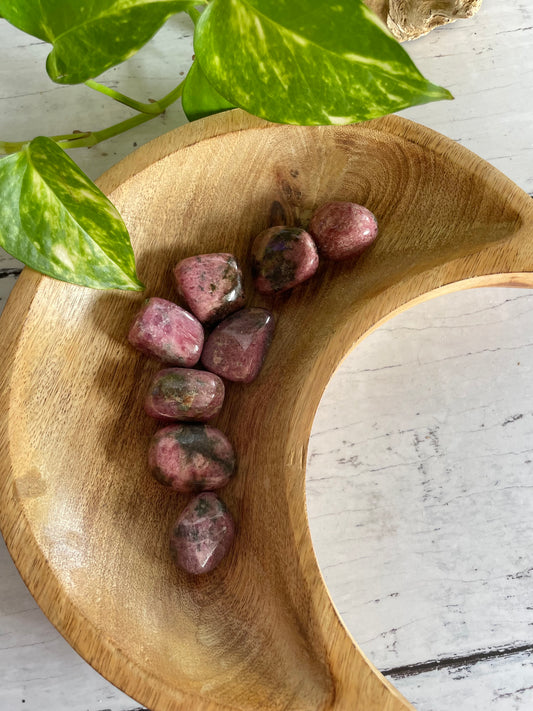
{"x": 420, "y": 492}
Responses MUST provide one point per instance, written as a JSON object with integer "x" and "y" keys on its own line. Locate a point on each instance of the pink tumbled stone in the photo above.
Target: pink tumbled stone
{"x": 237, "y": 347}
{"x": 211, "y": 284}
{"x": 191, "y": 458}
{"x": 202, "y": 535}
{"x": 184, "y": 394}
{"x": 164, "y": 330}
{"x": 283, "y": 257}
{"x": 343, "y": 229}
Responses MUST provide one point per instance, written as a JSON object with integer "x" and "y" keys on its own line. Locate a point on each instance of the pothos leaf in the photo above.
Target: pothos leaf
{"x": 55, "y": 220}
{"x": 199, "y": 99}
{"x": 307, "y": 62}
{"x": 89, "y": 37}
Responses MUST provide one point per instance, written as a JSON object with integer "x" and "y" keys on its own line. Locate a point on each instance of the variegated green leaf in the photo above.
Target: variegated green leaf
{"x": 199, "y": 99}
{"x": 89, "y": 37}
{"x": 55, "y": 220}
{"x": 307, "y": 62}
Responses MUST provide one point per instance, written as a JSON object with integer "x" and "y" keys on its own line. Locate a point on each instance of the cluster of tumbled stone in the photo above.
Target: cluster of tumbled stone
{"x": 283, "y": 257}
{"x": 194, "y": 457}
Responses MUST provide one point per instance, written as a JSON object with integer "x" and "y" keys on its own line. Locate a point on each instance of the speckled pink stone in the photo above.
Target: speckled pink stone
{"x": 165, "y": 331}
{"x": 202, "y": 535}
{"x": 185, "y": 395}
{"x": 283, "y": 257}
{"x": 343, "y": 229}
{"x": 211, "y": 285}
{"x": 191, "y": 458}
{"x": 237, "y": 347}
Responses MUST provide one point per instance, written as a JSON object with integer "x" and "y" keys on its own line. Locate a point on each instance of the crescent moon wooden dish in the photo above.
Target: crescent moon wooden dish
{"x": 85, "y": 523}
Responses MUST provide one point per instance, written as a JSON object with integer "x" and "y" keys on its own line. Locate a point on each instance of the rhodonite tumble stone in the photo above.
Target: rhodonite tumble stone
{"x": 343, "y": 229}
{"x": 202, "y": 535}
{"x": 166, "y": 331}
{"x": 211, "y": 284}
{"x": 237, "y": 347}
{"x": 191, "y": 458}
{"x": 184, "y": 394}
{"x": 283, "y": 257}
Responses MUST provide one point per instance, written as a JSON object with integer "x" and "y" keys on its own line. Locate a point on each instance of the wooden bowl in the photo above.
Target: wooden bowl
{"x": 85, "y": 523}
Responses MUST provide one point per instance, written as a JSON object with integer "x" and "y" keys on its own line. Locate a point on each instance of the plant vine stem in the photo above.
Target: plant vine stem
{"x": 151, "y": 108}
{"x": 194, "y": 14}
{"x": 7, "y": 147}
{"x": 94, "y": 137}
{"x": 91, "y": 138}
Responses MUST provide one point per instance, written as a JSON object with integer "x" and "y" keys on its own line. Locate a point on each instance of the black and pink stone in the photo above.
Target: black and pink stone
{"x": 282, "y": 257}
{"x": 237, "y": 347}
{"x": 191, "y": 458}
{"x": 202, "y": 535}
{"x": 343, "y": 229}
{"x": 211, "y": 285}
{"x": 165, "y": 331}
{"x": 184, "y": 394}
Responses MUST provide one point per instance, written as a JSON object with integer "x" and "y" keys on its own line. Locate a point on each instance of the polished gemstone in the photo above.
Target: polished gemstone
{"x": 184, "y": 394}
{"x": 211, "y": 285}
{"x": 283, "y": 257}
{"x": 202, "y": 535}
{"x": 237, "y": 347}
{"x": 165, "y": 331}
{"x": 343, "y": 229}
{"x": 191, "y": 457}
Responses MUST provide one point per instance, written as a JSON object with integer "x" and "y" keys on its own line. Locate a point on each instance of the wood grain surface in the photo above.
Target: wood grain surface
{"x": 87, "y": 527}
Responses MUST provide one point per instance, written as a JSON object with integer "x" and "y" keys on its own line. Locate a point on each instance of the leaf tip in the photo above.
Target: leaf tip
{"x": 135, "y": 284}
{"x": 440, "y": 93}
{"x": 132, "y": 284}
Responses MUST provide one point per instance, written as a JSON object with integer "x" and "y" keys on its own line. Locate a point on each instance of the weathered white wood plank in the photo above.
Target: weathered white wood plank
{"x": 499, "y": 684}
{"x": 7, "y": 282}
{"x": 419, "y": 486}
{"x": 487, "y": 64}
{"x": 8, "y": 262}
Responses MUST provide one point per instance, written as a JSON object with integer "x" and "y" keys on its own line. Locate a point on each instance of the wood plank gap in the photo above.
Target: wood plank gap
{"x": 15, "y": 271}
{"x": 455, "y": 662}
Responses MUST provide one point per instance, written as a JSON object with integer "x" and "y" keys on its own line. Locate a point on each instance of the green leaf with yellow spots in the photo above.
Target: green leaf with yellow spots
{"x": 199, "y": 99}
{"x": 307, "y": 62}
{"x": 89, "y": 37}
{"x": 55, "y": 220}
